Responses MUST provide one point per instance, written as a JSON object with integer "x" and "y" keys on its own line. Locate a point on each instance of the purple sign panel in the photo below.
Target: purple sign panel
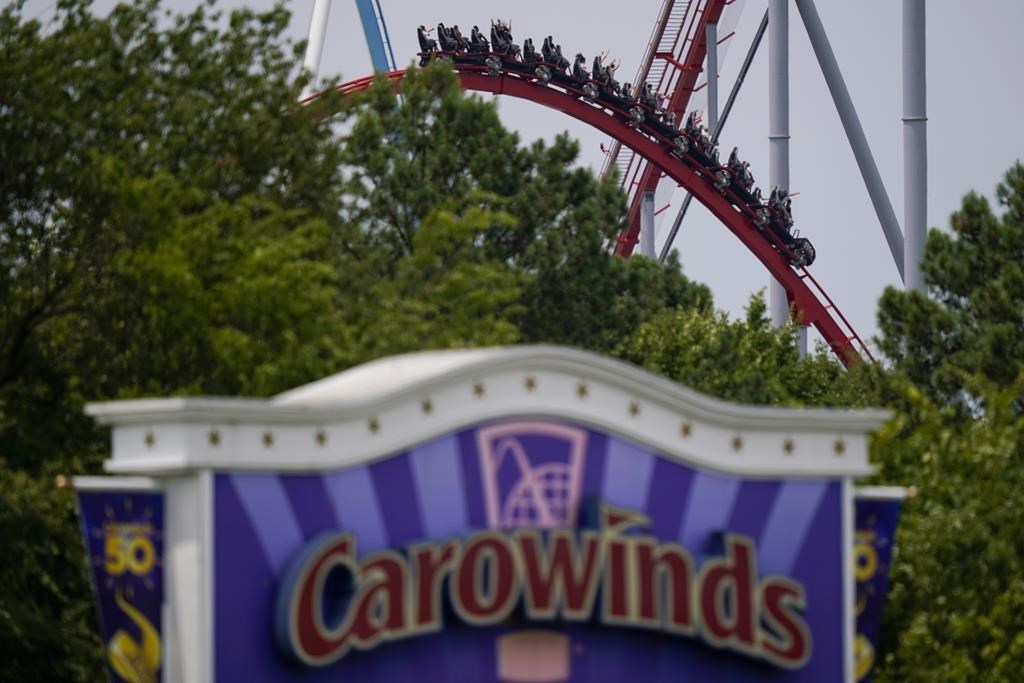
{"x": 876, "y": 521}
{"x": 527, "y": 551}
{"x": 123, "y": 535}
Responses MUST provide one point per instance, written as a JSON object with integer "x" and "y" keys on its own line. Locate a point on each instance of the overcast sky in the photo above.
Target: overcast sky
{"x": 974, "y": 108}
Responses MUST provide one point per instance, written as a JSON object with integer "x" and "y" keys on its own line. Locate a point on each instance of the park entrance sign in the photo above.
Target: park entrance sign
{"x": 521, "y": 514}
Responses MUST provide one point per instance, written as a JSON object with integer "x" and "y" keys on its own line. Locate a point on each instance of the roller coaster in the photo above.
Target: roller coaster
{"x": 634, "y": 119}
{"x": 640, "y": 110}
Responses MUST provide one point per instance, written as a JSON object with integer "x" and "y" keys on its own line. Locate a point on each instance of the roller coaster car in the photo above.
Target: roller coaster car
{"x": 681, "y": 144}
{"x": 804, "y": 251}
{"x": 644, "y": 110}
{"x": 446, "y": 39}
{"x": 801, "y": 251}
{"x": 501, "y": 40}
{"x": 736, "y": 175}
{"x": 608, "y": 91}
{"x": 546, "y": 72}
{"x": 706, "y": 153}
{"x": 551, "y": 53}
{"x": 775, "y": 220}
{"x": 477, "y": 43}
{"x": 702, "y": 148}
{"x": 551, "y": 66}
{"x": 529, "y": 55}
{"x": 637, "y": 115}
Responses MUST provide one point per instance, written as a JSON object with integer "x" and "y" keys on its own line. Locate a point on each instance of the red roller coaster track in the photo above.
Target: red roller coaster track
{"x": 810, "y": 302}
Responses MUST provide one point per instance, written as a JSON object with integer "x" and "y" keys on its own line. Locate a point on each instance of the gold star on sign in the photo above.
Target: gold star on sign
{"x": 268, "y": 439}
{"x": 478, "y": 389}
{"x": 321, "y": 437}
{"x": 581, "y": 389}
{"x": 214, "y": 437}
{"x": 737, "y": 443}
{"x": 149, "y": 439}
{"x": 373, "y": 424}
{"x": 686, "y": 429}
{"x": 634, "y": 408}
{"x": 426, "y": 406}
{"x": 530, "y": 383}
{"x": 839, "y": 446}
{"x": 788, "y": 446}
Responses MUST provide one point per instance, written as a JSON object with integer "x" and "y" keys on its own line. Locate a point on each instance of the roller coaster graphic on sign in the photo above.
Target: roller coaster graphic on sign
{"x": 523, "y": 492}
{"x": 810, "y": 303}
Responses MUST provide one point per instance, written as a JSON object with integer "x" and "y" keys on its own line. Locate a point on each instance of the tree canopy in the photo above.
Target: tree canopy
{"x": 969, "y": 327}
{"x": 955, "y": 611}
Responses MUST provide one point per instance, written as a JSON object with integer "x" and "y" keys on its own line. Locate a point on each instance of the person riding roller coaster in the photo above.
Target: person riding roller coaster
{"x": 740, "y": 170}
{"x": 552, "y": 54}
{"x": 579, "y": 72}
{"x": 477, "y": 42}
{"x": 547, "y": 50}
{"x": 702, "y": 136}
{"x": 560, "y": 60}
{"x": 530, "y": 55}
{"x": 648, "y": 98}
{"x": 611, "y": 83}
{"x": 780, "y": 212}
{"x": 461, "y": 42}
{"x": 605, "y": 75}
{"x": 780, "y": 202}
{"x": 598, "y": 71}
{"x": 446, "y": 39}
{"x": 501, "y": 39}
{"x": 427, "y": 45}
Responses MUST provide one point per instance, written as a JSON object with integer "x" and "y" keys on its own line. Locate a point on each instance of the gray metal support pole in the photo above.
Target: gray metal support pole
{"x": 711, "y": 32}
{"x": 854, "y": 130}
{"x": 647, "y": 225}
{"x": 915, "y": 144}
{"x": 778, "y": 125}
{"x": 315, "y": 43}
{"x": 751, "y": 52}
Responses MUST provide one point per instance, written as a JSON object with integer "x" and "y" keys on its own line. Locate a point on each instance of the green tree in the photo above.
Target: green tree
{"x": 47, "y": 624}
{"x": 165, "y": 227}
{"x": 970, "y": 323}
{"x": 445, "y": 293}
{"x": 746, "y": 360}
{"x": 158, "y": 204}
{"x": 957, "y": 596}
{"x": 437, "y": 151}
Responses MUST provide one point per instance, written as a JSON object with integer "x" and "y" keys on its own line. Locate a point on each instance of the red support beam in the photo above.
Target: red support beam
{"x": 690, "y": 68}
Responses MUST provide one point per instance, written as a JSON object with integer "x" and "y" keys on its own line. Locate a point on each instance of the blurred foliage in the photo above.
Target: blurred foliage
{"x": 163, "y": 229}
{"x": 746, "y": 360}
